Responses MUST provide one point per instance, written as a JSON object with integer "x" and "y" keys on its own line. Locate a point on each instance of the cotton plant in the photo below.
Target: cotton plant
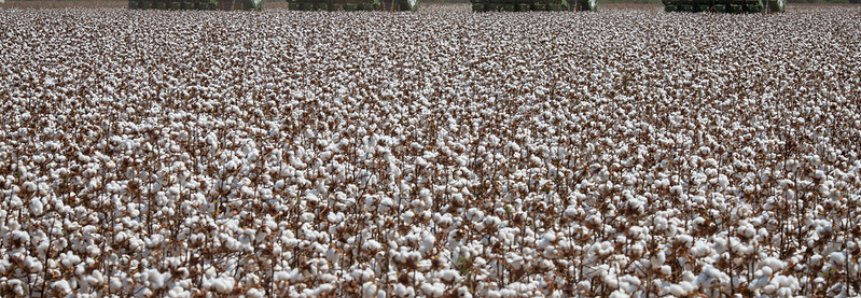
{"x": 428, "y": 159}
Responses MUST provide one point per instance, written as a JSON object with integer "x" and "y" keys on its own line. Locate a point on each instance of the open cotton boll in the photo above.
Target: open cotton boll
{"x": 774, "y": 264}
{"x": 449, "y": 275}
{"x": 33, "y": 264}
{"x": 619, "y": 294}
{"x": 221, "y": 285}
{"x": 255, "y": 293}
{"x": 281, "y": 276}
{"x": 157, "y": 280}
{"x": 386, "y": 204}
{"x": 433, "y": 290}
{"x": 21, "y": 236}
{"x": 369, "y": 290}
{"x": 178, "y": 292}
{"x": 837, "y": 259}
{"x": 404, "y": 291}
{"x": 676, "y": 290}
{"x": 711, "y": 277}
{"x": 36, "y": 206}
{"x": 700, "y": 249}
{"x": 61, "y": 286}
{"x": 427, "y": 242}
{"x": 371, "y": 246}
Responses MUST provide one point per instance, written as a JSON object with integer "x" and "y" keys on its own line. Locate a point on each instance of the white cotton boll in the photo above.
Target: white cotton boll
{"x": 372, "y": 246}
{"x": 62, "y": 287}
{"x": 544, "y": 243}
{"x": 774, "y": 263}
{"x": 221, "y": 285}
{"x": 178, "y": 292}
{"x": 36, "y": 207}
{"x": 325, "y": 288}
{"x": 677, "y": 290}
{"x": 307, "y": 217}
{"x": 433, "y": 290}
{"x": 723, "y": 181}
{"x": 408, "y": 217}
{"x": 15, "y": 203}
{"x": 21, "y": 236}
{"x": 784, "y": 292}
{"x": 761, "y": 280}
{"x": 70, "y": 260}
{"x": 426, "y": 197}
{"x": 449, "y": 275}
{"x": 281, "y": 276}
{"x": 255, "y": 293}
{"x": 688, "y": 276}
{"x": 766, "y": 272}
{"x": 369, "y": 290}
{"x": 33, "y": 264}
{"x": 30, "y": 187}
{"x": 428, "y": 241}
{"x": 676, "y": 189}
{"x": 658, "y": 258}
{"x": 400, "y": 290}
{"x": 547, "y": 265}
{"x": 463, "y": 292}
{"x": 385, "y": 205}
{"x": 514, "y": 260}
{"x": 837, "y": 259}
{"x": 688, "y": 286}
{"x": 619, "y": 294}
{"x": 769, "y": 289}
{"x": 700, "y": 249}
{"x": 157, "y": 279}
{"x": 711, "y": 277}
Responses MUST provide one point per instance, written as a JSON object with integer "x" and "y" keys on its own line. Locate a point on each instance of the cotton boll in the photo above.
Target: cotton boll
{"x": 371, "y": 246}
{"x": 62, "y": 287}
{"x": 178, "y": 292}
{"x": 837, "y": 259}
{"x": 21, "y": 236}
{"x": 221, "y": 285}
{"x": 385, "y": 205}
{"x": 619, "y": 294}
{"x": 403, "y": 291}
{"x": 255, "y": 293}
{"x": 463, "y": 292}
{"x": 666, "y": 270}
{"x": 677, "y": 290}
{"x": 700, "y": 249}
{"x": 69, "y": 260}
{"x": 433, "y": 290}
{"x": 369, "y": 290}
{"x": 658, "y": 258}
{"x": 157, "y": 279}
{"x": 723, "y": 181}
{"x": 307, "y": 217}
{"x": 15, "y": 203}
{"x": 711, "y": 277}
{"x": 449, "y": 275}
{"x": 514, "y": 260}
{"x": 32, "y": 264}
{"x": 36, "y": 207}
{"x": 408, "y": 217}
{"x": 281, "y": 276}
{"x": 774, "y": 264}
{"x": 427, "y": 242}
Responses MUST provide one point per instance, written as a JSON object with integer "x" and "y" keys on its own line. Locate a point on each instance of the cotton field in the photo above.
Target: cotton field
{"x": 624, "y": 153}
